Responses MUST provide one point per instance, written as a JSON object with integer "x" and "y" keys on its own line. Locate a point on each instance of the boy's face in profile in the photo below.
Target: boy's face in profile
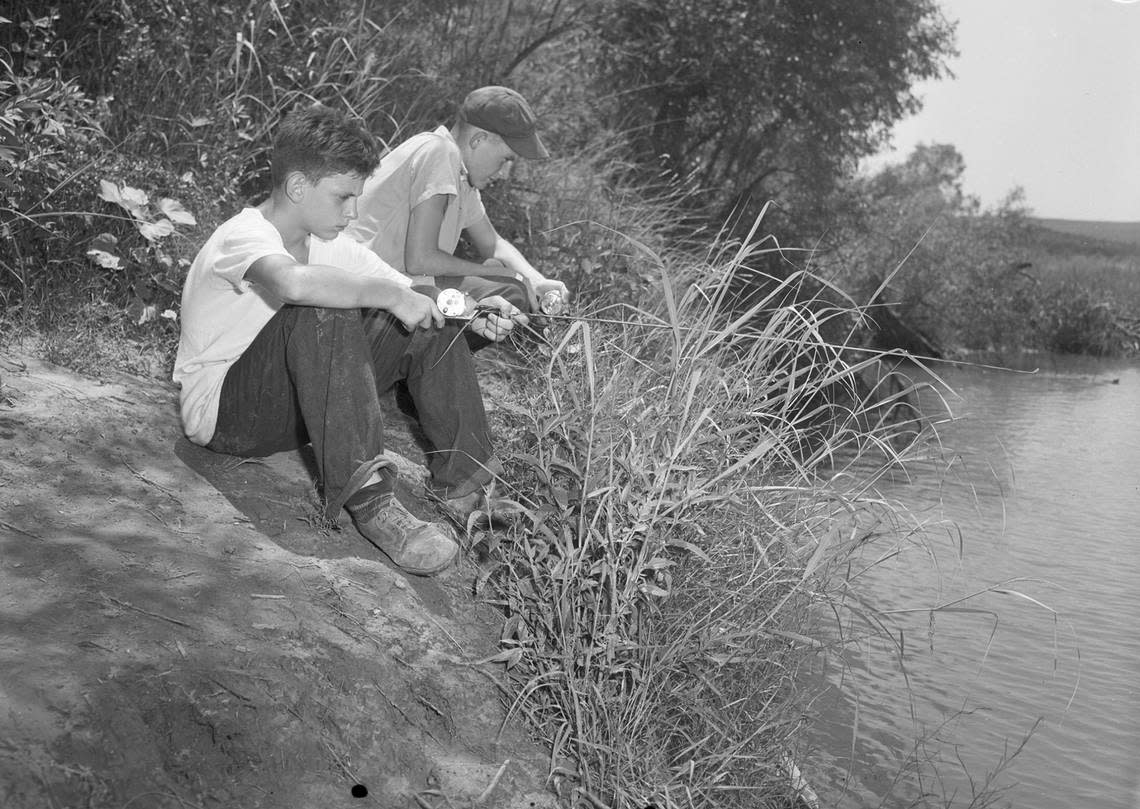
{"x": 486, "y": 158}
{"x": 329, "y": 204}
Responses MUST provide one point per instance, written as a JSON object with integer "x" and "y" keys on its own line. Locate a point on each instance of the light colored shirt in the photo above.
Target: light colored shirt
{"x": 423, "y": 166}
{"x": 222, "y": 312}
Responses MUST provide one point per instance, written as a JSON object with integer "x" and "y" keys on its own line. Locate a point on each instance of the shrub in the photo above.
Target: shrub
{"x": 42, "y": 114}
{"x": 1073, "y": 321}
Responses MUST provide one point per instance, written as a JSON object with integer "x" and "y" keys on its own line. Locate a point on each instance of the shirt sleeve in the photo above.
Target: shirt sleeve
{"x": 434, "y": 172}
{"x": 473, "y": 211}
{"x": 244, "y": 245}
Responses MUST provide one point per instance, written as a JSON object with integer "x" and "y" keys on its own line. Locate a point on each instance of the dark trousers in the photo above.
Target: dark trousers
{"x": 316, "y": 376}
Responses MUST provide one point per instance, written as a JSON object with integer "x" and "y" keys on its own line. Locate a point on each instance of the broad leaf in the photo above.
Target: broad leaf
{"x": 105, "y": 241}
{"x": 131, "y": 200}
{"x": 153, "y": 231}
{"x": 175, "y": 212}
{"x": 134, "y": 201}
{"x": 149, "y": 312}
{"x": 104, "y": 259}
{"x": 110, "y": 192}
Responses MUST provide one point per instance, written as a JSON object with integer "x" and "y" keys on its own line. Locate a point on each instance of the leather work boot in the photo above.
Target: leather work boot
{"x": 480, "y": 507}
{"x": 415, "y": 546}
{"x": 460, "y": 509}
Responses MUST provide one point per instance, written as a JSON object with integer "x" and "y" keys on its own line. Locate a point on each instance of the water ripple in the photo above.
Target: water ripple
{"x": 1045, "y": 487}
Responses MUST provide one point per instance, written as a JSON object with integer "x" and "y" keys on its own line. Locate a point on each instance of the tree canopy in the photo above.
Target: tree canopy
{"x": 751, "y": 99}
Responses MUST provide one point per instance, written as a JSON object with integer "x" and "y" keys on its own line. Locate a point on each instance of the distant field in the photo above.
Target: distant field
{"x": 1121, "y": 232}
{"x": 1101, "y": 257}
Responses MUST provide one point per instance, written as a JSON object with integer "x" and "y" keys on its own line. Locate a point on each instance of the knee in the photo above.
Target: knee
{"x": 320, "y": 325}
{"x": 514, "y": 290}
{"x": 329, "y": 321}
{"x": 326, "y": 314}
{"x": 296, "y": 315}
{"x": 444, "y": 345}
{"x": 517, "y": 294}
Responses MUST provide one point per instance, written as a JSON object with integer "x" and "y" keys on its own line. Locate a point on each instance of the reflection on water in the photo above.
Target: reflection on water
{"x": 1041, "y": 484}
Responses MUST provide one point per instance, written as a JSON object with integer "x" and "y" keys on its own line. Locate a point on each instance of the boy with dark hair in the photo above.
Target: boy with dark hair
{"x": 426, "y": 193}
{"x": 291, "y": 332}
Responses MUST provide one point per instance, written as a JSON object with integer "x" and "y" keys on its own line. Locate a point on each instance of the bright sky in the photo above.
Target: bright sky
{"x": 1046, "y": 96}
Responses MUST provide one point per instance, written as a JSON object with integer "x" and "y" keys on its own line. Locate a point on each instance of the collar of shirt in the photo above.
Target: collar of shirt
{"x": 444, "y": 132}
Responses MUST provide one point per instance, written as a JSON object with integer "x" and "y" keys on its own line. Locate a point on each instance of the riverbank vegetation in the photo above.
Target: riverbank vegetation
{"x": 949, "y": 277}
{"x": 681, "y": 483}
{"x": 647, "y": 115}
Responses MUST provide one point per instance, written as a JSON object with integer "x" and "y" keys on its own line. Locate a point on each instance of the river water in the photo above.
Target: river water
{"x": 1031, "y": 547}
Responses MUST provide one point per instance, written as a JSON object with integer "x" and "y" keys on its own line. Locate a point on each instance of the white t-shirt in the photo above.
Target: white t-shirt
{"x": 222, "y": 312}
{"x": 423, "y": 166}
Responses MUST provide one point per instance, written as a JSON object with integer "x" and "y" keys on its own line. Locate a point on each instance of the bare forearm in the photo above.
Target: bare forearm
{"x": 509, "y": 256}
{"x": 514, "y": 260}
{"x": 439, "y": 263}
{"x": 336, "y": 288}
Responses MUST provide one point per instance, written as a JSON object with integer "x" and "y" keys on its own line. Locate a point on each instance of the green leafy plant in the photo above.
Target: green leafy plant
{"x": 43, "y": 117}
{"x": 155, "y": 222}
{"x": 38, "y": 105}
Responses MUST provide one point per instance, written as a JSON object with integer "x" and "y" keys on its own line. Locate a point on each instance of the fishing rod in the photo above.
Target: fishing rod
{"x": 452, "y": 303}
{"x": 550, "y": 307}
{"x": 919, "y": 359}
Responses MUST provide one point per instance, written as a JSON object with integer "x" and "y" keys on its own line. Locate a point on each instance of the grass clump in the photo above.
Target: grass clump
{"x": 678, "y": 485}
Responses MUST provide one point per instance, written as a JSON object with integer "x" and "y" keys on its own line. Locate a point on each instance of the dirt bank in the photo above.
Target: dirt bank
{"x": 177, "y": 630}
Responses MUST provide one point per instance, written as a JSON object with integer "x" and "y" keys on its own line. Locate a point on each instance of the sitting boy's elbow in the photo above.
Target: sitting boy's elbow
{"x": 423, "y": 259}
{"x": 290, "y": 289}
{"x": 415, "y": 264}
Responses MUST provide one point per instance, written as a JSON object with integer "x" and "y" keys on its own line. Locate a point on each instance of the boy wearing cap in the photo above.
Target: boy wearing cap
{"x": 291, "y": 332}
{"x": 426, "y": 193}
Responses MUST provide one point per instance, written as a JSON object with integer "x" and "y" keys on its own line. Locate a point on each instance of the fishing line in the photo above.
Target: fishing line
{"x": 894, "y": 352}
{"x": 456, "y": 313}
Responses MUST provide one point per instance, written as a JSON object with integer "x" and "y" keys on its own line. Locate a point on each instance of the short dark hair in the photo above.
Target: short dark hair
{"x": 319, "y": 141}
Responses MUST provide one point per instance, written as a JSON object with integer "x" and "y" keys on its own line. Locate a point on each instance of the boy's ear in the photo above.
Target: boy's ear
{"x": 295, "y": 185}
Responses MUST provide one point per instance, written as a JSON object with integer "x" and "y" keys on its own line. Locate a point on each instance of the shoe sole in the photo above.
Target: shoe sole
{"x": 417, "y": 571}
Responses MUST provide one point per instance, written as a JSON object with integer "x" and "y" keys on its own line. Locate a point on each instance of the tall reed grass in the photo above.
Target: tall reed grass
{"x": 682, "y": 496}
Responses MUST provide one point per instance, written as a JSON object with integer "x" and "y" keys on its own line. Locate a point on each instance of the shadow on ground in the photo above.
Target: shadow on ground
{"x": 177, "y": 631}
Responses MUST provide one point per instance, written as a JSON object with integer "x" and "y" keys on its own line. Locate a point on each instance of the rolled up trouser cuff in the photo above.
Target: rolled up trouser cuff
{"x": 480, "y": 478}
{"x": 387, "y": 485}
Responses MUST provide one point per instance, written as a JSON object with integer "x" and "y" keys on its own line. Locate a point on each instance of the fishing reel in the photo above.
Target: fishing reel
{"x": 552, "y": 302}
{"x": 453, "y": 304}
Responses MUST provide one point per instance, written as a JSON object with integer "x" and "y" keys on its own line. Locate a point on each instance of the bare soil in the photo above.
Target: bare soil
{"x": 178, "y": 629}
